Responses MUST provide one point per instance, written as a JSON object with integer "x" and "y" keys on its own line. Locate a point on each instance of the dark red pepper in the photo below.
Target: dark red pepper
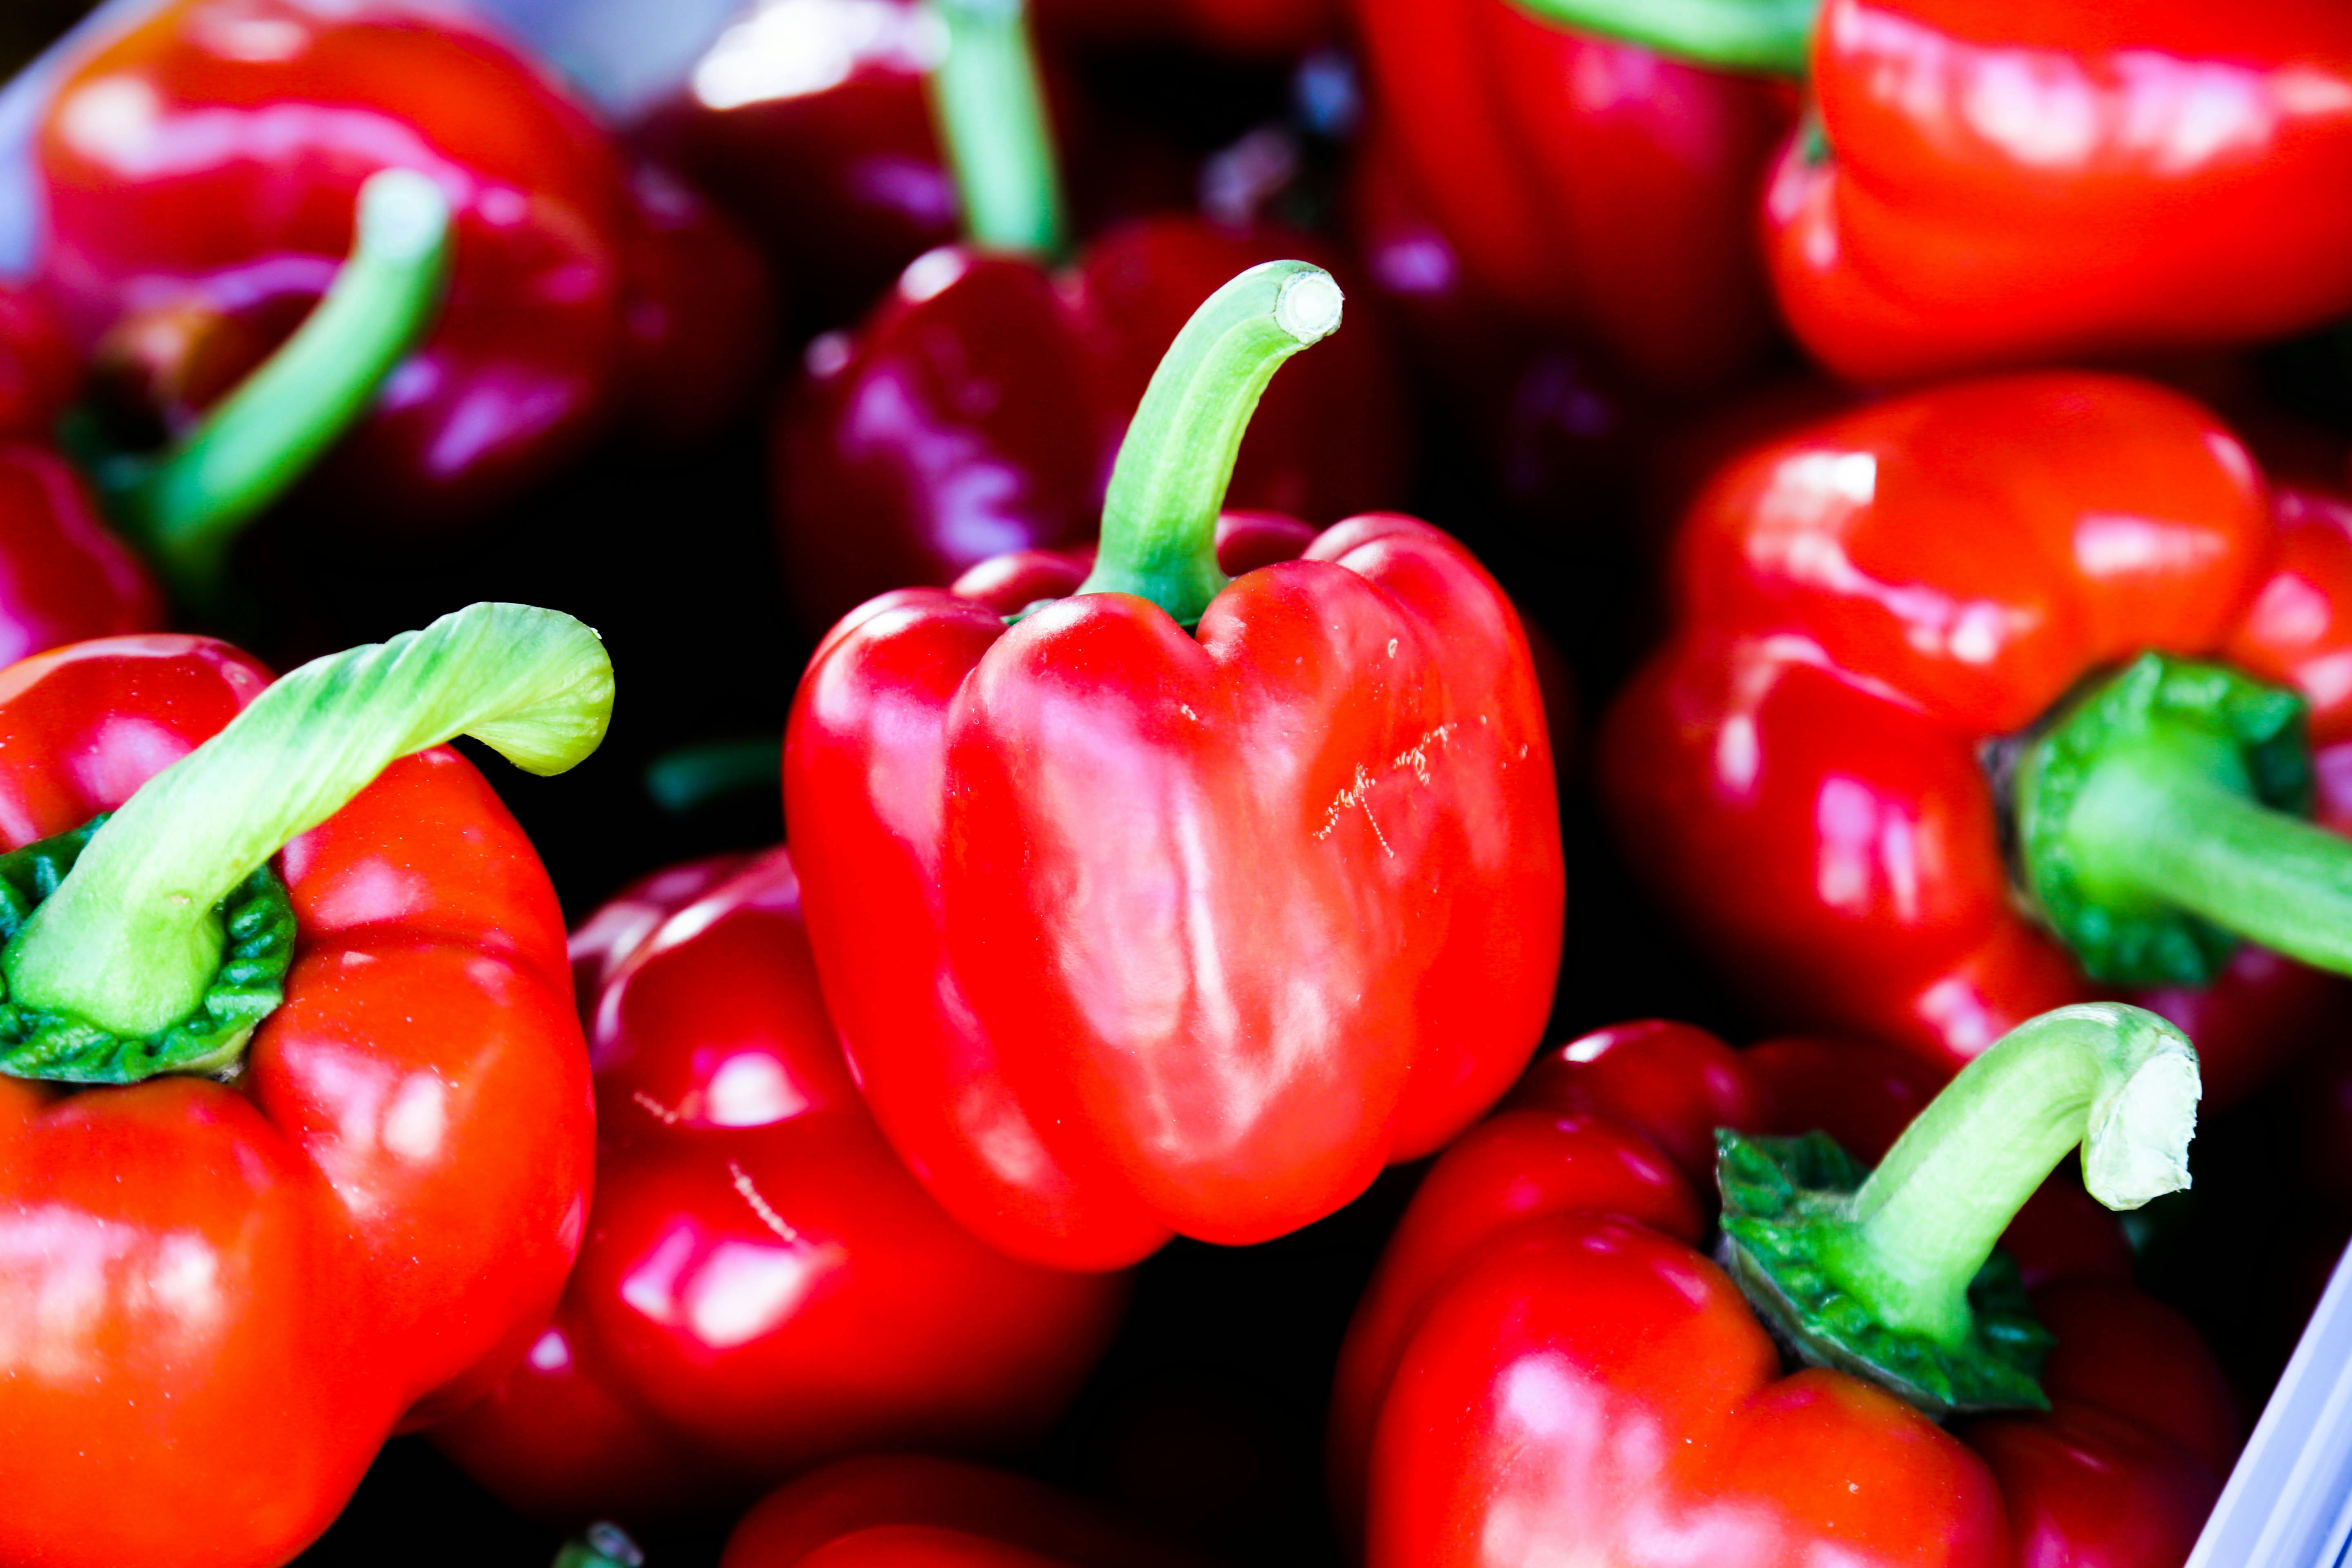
{"x": 1543, "y": 1366}
{"x": 763, "y": 1287}
{"x": 1875, "y": 613}
{"x": 978, "y": 410}
{"x": 202, "y": 165}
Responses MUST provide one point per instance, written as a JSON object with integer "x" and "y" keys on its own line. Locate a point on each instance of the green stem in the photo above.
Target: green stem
{"x": 989, "y": 112}
{"x": 601, "y": 1545}
{"x": 1769, "y": 36}
{"x": 2118, "y": 1081}
{"x": 2164, "y": 822}
{"x": 186, "y": 506}
{"x": 1159, "y": 518}
{"x": 131, "y": 937}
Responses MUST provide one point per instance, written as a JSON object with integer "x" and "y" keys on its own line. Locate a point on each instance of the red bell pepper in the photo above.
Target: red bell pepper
{"x": 1545, "y": 1367}
{"x": 906, "y": 1511}
{"x": 39, "y": 369}
{"x": 979, "y": 409}
{"x": 202, "y": 164}
{"x": 294, "y": 1147}
{"x": 1584, "y": 183}
{"x": 1984, "y": 186}
{"x": 1129, "y": 928}
{"x": 1899, "y": 630}
{"x": 64, "y": 576}
{"x": 763, "y": 1287}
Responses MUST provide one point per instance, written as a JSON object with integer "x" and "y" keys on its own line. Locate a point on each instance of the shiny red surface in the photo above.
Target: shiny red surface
{"x": 763, "y": 1288}
{"x": 1797, "y": 772}
{"x": 979, "y": 409}
{"x": 1129, "y": 933}
{"x": 207, "y": 159}
{"x": 1584, "y": 183}
{"x": 221, "y": 1298}
{"x": 1544, "y": 1367}
{"x": 2004, "y": 187}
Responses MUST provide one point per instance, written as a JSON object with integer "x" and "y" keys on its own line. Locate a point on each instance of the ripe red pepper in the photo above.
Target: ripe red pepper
{"x": 1585, "y": 183}
{"x": 763, "y": 1287}
{"x": 979, "y": 409}
{"x": 202, "y": 166}
{"x": 1130, "y": 930}
{"x": 1544, "y": 1366}
{"x": 234, "y": 1259}
{"x": 1881, "y": 616}
{"x": 899, "y": 1511}
{"x": 1989, "y": 187}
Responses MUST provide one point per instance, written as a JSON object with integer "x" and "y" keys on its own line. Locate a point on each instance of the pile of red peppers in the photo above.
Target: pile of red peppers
{"x": 1387, "y": 783}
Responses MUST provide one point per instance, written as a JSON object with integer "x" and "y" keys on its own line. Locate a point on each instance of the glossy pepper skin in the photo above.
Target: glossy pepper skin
{"x": 903, "y": 1510}
{"x": 1182, "y": 934}
{"x": 978, "y": 409}
{"x": 1585, "y": 184}
{"x": 2000, "y": 188}
{"x": 1863, "y": 604}
{"x": 362, "y": 1231}
{"x": 763, "y": 1287}
{"x": 202, "y": 166}
{"x": 1545, "y": 1362}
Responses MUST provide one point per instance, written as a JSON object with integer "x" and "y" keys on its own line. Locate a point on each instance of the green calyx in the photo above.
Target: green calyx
{"x": 1891, "y": 1274}
{"x": 147, "y": 921}
{"x": 2156, "y": 822}
{"x": 1773, "y": 37}
{"x": 259, "y": 921}
{"x": 1780, "y": 1195}
{"x": 187, "y": 505}
{"x": 989, "y": 112}
{"x": 1159, "y": 515}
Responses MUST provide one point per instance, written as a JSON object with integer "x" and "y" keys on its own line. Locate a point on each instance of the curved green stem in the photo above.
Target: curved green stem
{"x": 2118, "y": 1082}
{"x": 1769, "y": 36}
{"x": 131, "y": 937}
{"x": 186, "y": 506}
{"x": 989, "y": 112}
{"x": 601, "y": 1545}
{"x": 1159, "y": 518}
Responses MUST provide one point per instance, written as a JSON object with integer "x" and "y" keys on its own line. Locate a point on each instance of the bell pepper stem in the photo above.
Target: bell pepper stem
{"x": 1160, "y": 517}
{"x": 2158, "y": 824}
{"x": 186, "y": 506}
{"x": 2116, "y": 1080}
{"x": 1773, "y": 37}
{"x": 990, "y": 113}
{"x": 131, "y": 938}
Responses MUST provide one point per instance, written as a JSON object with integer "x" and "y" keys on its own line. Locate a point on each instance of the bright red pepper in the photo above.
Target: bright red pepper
{"x": 1867, "y": 604}
{"x": 202, "y": 163}
{"x": 1544, "y": 1364}
{"x": 977, "y": 412}
{"x": 220, "y": 1293}
{"x": 1992, "y": 185}
{"x": 764, "y": 1286}
{"x": 1584, "y": 183}
{"x": 1130, "y": 930}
